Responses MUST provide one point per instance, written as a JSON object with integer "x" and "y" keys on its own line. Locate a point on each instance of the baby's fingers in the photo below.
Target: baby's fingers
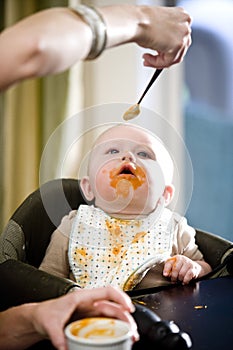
{"x": 171, "y": 268}
{"x": 191, "y": 273}
{"x": 185, "y": 274}
{"x": 188, "y": 277}
{"x": 168, "y": 268}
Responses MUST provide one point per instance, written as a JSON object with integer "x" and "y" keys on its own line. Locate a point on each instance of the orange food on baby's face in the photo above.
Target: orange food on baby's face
{"x": 126, "y": 178}
{"x": 123, "y": 187}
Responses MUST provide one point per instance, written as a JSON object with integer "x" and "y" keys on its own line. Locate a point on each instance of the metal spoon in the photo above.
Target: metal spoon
{"x": 134, "y": 110}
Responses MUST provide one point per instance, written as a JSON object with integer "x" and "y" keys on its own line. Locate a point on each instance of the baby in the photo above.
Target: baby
{"x": 128, "y": 237}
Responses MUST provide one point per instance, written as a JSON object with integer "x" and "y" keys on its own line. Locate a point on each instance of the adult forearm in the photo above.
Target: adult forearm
{"x": 47, "y": 42}
{"x": 16, "y": 329}
{"x": 52, "y": 40}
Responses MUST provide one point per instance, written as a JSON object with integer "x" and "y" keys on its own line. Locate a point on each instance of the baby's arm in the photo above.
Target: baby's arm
{"x": 182, "y": 268}
{"x": 56, "y": 258}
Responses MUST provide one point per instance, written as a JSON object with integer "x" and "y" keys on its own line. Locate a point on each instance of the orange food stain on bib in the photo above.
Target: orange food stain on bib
{"x": 113, "y": 228}
{"x": 81, "y": 251}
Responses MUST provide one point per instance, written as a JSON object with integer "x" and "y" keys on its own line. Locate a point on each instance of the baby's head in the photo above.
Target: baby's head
{"x": 129, "y": 172}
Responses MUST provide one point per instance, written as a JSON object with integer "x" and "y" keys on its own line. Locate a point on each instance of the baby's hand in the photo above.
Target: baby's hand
{"x": 181, "y": 268}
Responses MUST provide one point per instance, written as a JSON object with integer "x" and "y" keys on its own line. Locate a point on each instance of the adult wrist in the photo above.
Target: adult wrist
{"x": 143, "y": 25}
{"x": 27, "y": 328}
{"x": 95, "y": 20}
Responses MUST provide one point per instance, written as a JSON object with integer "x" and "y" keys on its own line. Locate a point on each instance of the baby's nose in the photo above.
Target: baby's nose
{"x": 128, "y": 156}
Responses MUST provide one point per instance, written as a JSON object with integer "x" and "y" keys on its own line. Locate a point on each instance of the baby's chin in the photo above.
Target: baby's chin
{"x": 128, "y": 212}
{"x": 126, "y": 206}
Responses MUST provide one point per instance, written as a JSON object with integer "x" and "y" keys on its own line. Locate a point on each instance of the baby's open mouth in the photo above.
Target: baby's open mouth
{"x": 127, "y": 169}
{"x": 129, "y": 172}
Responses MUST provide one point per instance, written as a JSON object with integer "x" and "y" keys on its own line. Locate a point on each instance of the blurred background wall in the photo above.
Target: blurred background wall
{"x": 208, "y": 114}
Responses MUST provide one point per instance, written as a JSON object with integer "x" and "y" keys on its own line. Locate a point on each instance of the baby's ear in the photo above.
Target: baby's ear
{"x": 168, "y": 194}
{"x": 86, "y": 188}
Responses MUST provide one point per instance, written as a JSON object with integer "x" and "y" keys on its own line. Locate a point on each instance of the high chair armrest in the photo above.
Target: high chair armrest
{"x": 23, "y": 283}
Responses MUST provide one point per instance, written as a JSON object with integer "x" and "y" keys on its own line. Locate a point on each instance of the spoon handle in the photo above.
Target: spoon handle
{"x": 154, "y": 77}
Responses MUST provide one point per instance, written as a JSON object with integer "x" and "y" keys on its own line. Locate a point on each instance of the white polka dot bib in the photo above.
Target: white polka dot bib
{"x": 105, "y": 250}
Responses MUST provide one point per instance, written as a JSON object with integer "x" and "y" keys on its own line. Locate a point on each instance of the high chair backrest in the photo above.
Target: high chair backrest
{"x": 28, "y": 232}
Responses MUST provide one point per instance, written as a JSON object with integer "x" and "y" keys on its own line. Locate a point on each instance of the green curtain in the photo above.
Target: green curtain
{"x": 29, "y": 113}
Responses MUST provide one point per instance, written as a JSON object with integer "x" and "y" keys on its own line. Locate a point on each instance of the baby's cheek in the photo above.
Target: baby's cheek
{"x": 103, "y": 188}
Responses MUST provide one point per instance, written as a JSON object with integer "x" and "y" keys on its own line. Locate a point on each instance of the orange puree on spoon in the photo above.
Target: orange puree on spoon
{"x": 132, "y": 112}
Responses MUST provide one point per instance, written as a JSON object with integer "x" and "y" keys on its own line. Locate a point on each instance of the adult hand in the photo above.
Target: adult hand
{"x": 24, "y": 325}
{"x": 167, "y": 31}
{"x": 50, "y": 317}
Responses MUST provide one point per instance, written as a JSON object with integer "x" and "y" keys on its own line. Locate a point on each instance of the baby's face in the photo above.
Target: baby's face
{"x": 124, "y": 172}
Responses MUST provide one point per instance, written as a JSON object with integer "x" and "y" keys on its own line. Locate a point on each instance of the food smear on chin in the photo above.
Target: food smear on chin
{"x": 132, "y": 112}
{"x": 123, "y": 188}
{"x": 126, "y": 178}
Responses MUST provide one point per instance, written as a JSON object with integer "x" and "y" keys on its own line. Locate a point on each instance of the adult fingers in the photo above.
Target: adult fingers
{"x": 164, "y": 60}
{"x": 88, "y": 297}
{"x": 114, "y": 310}
{"x": 161, "y": 60}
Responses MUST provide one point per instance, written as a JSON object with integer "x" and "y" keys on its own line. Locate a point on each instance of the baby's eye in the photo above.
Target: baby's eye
{"x": 112, "y": 151}
{"x": 144, "y": 154}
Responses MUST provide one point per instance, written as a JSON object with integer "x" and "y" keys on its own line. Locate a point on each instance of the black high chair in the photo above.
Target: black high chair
{"x": 27, "y": 234}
